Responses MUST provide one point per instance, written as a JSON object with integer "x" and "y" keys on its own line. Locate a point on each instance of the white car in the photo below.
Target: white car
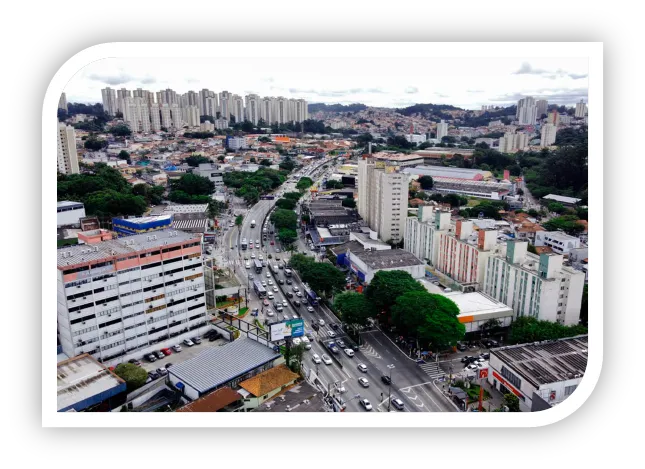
{"x": 257, "y": 241}
{"x": 471, "y": 367}
{"x": 270, "y": 295}
{"x": 296, "y": 341}
{"x": 307, "y": 343}
{"x": 310, "y": 309}
{"x": 320, "y": 321}
{"x": 252, "y": 255}
{"x": 176, "y": 348}
{"x": 269, "y": 313}
{"x": 188, "y": 342}
{"x": 331, "y": 334}
{"x": 275, "y": 289}
{"x": 270, "y": 282}
{"x": 277, "y": 251}
{"x": 268, "y": 275}
{"x": 260, "y": 257}
{"x": 326, "y": 359}
{"x": 349, "y": 352}
{"x": 298, "y": 294}
{"x": 316, "y": 358}
{"x": 363, "y": 382}
{"x": 264, "y": 284}
{"x": 341, "y": 389}
{"x": 295, "y": 288}
{"x": 366, "y": 404}
{"x": 362, "y": 368}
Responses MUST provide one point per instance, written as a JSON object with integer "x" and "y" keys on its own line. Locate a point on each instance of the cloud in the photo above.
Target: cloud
{"x": 474, "y": 91}
{"x": 411, "y": 90}
{"x": 527, "y": 69}
{"x": 113, "y": 80}
{"x": 148, "y": 80}
{"x": 192, "y": 80}
{"x": 336, "y": 93}
{"x": 553, "y": 96}
{"x": 578, "y": 77}
{"x": 442, "y": 95}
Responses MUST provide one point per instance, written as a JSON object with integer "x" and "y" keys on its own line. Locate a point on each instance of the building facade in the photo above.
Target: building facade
{"x": 422, "y": 233}
{"x": 526, "y": 111}
{"x": 547, "y": 135}
{"x": 560, "y": 242}
{"x": 66, "y": 149}
{"x": 442, "y": 130}
{"x": 581, "y": 109}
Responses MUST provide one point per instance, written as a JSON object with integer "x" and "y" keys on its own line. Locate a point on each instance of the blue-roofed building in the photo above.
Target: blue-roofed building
{"x": 131, "y": 226}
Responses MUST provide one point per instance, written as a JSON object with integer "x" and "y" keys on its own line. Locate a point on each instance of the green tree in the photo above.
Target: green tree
{"x": 430, "y": 318}
{"x": 529, "y": 329}
{"x": 287, "y": 164}
{"x": 304, "y": 183}
{"x": 124, "y": 155}
{"x": 348, "y": 202}
{"x": 265, "y": 162}
{"x": 95, "y": 144}
{"x": 352, "y": 307}
{"x": 120, "y": 130}
{"x": 284, "y": 219}
{"x": 512, "y": 402}
{"x": 426, "y": 182}
{"x": 324, "y": 278}
{"x": 293, "y": 356}
{"x": 239, "y": 220}
{"x": 567, "y": 223}
{"x": 556, "y": 207}
{"x": 333, "y": 184}
{"x": 287, "y": 204}
{"x": 264, "y": 139}
{"x": 195, "y": 160}
{"x": 221, "y": 158}
{"x": 534, "y": 213}
{"x": 386, "y": 286}
{"x": 215, "y": 208}
{"x": 292, "y": 195}
{"x": 109, "y": 203}
{"x": 287, "y": 236}
{"x": 193, "y": 184}
{"x": 252, "y": 160}
{"x": 133, "y": 375}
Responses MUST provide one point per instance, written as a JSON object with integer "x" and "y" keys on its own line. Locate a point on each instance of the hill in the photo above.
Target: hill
{"x": 316, "y": 107}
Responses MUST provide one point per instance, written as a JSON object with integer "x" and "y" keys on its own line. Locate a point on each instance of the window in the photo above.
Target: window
{"x": 568, "y": 390}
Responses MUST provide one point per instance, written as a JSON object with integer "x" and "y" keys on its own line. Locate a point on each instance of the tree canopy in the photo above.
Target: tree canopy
{"x": 426, "y": 182}
{"x": 567, "y": 223}
{"x": 386, "y": 286}
{"x": 287, "y": 204}
{"x": 287, "y": 236}
{"x": 195, "y": 160}
{"x": 323, "y": 277}
{"x": 120, "y": 130}
{"x": 529, "y": 329}
{"x": 352, "y": 307}
{"x": 304, "y": 183}
{"x": 95, "y": 144}
{"x": 133, "y": 375}
{"x": 250, "y": 186}
{"x": 348, "y": 202}
{"x": 333, "y": 184}
{"x": 282, "y": 218}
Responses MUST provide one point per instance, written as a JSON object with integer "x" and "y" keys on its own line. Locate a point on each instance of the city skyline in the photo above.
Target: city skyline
{"x": 466, "y": 83}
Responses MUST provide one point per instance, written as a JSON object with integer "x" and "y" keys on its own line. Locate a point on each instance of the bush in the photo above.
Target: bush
{"x": 133, "y": 375}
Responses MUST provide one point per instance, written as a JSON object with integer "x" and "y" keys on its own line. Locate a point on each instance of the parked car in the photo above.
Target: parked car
{"x": 362, "y": 368}
{"x": 349, "y": 352}
{"x": 386, "y": 379}
{"x": 364, "y": 382}
{"x": 162, "y": 371}
{"x": 196, "y": 340}
{"x": 366, "y": 404}
{"x": 168, "y": 365}
{"x": 134, "y": 361}
{"x": 326, "y": 359}
{"x": 188, "y": 342}
{"x": 461, "y": 347}
{"x": 176, "y": 348}
{"x": 153, "y": 375}
{"x": 160, "y": 355}
{"x": 166, "y": 351}
{"x": 398, "y": 403}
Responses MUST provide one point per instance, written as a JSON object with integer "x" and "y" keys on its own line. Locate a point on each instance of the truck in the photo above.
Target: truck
{"x": 244, "y": 244}
{"x": 287, "y": 272}
{"x": 252, "y": 223}
{"x": 274, "y": 268}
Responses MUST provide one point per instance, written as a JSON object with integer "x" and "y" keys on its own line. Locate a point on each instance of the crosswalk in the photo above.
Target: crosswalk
{"x": 367, "y": 349}
{"x": 432, "y": 369}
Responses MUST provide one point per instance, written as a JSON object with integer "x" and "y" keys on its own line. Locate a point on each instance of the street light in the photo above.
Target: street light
{"x": 389, "y": 390}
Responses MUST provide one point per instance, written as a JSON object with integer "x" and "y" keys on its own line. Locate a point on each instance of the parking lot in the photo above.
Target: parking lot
{"x": 185, "y": 354}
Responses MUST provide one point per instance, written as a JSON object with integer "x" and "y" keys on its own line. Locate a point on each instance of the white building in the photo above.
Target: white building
{"x": 535, "y": 286}
{"x": 542, "y": 106}
{"x": 477, "y": 308}
{"x": 560, "y": 242}
{"x": 512, "y": 142}
{"x": 581, "y": 109}
{"x": 66, "y": 150}
{"x": 236, "y": 143}
{"x": 366, "y": 263}
{"x": 212, "y": 172}
{"x": 547, "y": 135}
{"x": 166, "y": 118}
{"x": 175, "y": 112}
{"x": 123, "y": 298}
{"x": 206, "y": 126}
{"x": 155, "y": 117}
{"x": 422, "y": 232}
{"x": 253, "y": 108}
{"x": 62, "y": 102}
{"x": 225, "y": 105}
{"x": 137, "y": 114}
{"x": 211, "y": 108}
{"x": 221, "y": 124}
{"x": 382, "y": 198}
{"x": 442, "y": 129}
{"x": 266, "y": 110}
{"x": 526, "y": 111}
{"x": 109, "y": 101}
{"x": 238, "y": 108}
{"x": 415, "y": 138}
{"x": 541, "y": 374}
{"x": 69, "y": 213}
{"x": 191, "y": 116}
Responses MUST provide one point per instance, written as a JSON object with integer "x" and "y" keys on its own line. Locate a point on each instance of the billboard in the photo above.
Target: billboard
{"x": 290, "y": 328}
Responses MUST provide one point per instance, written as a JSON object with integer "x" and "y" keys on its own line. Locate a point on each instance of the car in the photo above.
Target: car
{"x": 289, "y": 281}
{"x": 272, "y": 242}
{"x": 479, "y": 360}
{"x": 270, "y": 295}
{"x": 466, "y": 358}
{"x": 277, "y": 250}
{"x": 280, "y": 281}
{"x": 296, "y": 303}
{"x": 257, "y": 241}
{"x": 176, "y": 348}
{"x": 316, "y": 358}
{"x": 213, "y": 337}
{"x": 398, "y": 403}
{"x": 331, "y": 334}
{"x": 462, "y": 347}
{"x": 275, "y": 289}
{"x": 251, "y": 276}
{"x": 471, "y": 367}
{"x": 284, "y": 303}
{"x": 264, "y": 284}
{"x": 299, "y": 294}
{"x": 265, "y": 302}
{"x": 364, "y": 382}
{"x": 281, "y": 266}
{"x": 362, "y": 367}
{"x": 321, "y": 322}
{"x": 386, "y": 379}
{"x": 332, "y": 346}
{"x": 260, "y": 257}
{"x": 166, "y": 351}
{"x": 188, "y": 342}
{"x": 162, "y": 371}
{"x": 168, "y": 365}
{"x": 252, "y": 255}
{"x": 296, "y": 341}
{"x": 270, "y": 282}
{"x": 485, "y": 356}
{"x": 326, "y": 359}
{"x": 366, "y": 404}
{"x": 306, "y": 342}
{"x": 334, "y": 326}
{"x": 295, "y": 288}
{"x": 269, "y": 313}
{"x": 480, "y": 364}
{"x": 315, "y": 326}
{"x": 340, "y": 388}
{"x": 349, "y": 352}
{"x": 160, "y": 355}
{"x": 153, "y": 375}
{"x": 268, "y": 274}
{"x": 250, "y": 245}
{"x": 341, "y": 343}
{"x": 134, "y": 361}
{"x": 196, "y": 340}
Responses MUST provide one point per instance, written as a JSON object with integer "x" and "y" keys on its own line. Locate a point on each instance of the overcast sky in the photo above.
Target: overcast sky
{"x": 396, "y": 82}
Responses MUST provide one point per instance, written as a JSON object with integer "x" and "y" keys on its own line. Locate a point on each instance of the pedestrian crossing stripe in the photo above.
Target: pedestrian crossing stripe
{"x": 432, "y": 369}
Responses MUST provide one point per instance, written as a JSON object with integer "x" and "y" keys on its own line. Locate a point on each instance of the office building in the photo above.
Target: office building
{"x": 542, "y": 107}
{"x": 253, "y": 108}
{"x": 213, "y": 173}
{"x": 125, "y": 297}
{"x": 422, "y": 232}
{"x": 62, "y": 102}
{"x": 547, "y": 135}
{"x": 558, "y": 241}
{"x": 67, "y": 156}
{"x": 442, "y": 130}
{"x": 534, "y": 286}
{"x": 109, "y": 101}
{"x": 382, "y": 197}
{"x": 526, "y": 111}
{"x": 581, "y": 110}
{"x": 541, "y": 374}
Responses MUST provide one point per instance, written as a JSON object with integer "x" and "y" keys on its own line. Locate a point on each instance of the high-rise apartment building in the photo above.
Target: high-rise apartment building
{"x": 302, "y": 112}
{"x": 67, "y": 156}
{"x": 191, "y": 116}
{"x": 281, "y": 110}
{"x": 526, "y": 111}
{"x": 442, "y": 129}
{"x": 547, "y": 135}
{"x": 122, "y": 298}
{"x": 382, "y": 197}
{"x": 167, "y": 96}
{"x": 512, "y": 142}
{"x": 535, "y": 286}
{"x": 177, "y": 120}
{"x": 554, "y": 118}
{"x": 62, "y": 102}
{"x": 210, "y": 107}
{"x": 225, "y": 105}
{"x": 136, "y": 114}
{"x": 423, "y": 231}
{"x": 155, "y": 117}
{"x": 109, "y": 101}
{"x": 121, "y": 96}
{"x": 581, "y": 109}
{"x": 166, "y": 117}
{"x": 266, "y": 111}
{"x": 542, "y": 107}
{"x": 238, "y": 108}
{"x": 253, "y": 108}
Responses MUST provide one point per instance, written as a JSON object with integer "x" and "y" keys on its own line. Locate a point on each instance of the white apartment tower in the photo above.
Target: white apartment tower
{"x": 253, "y": 108}
{"x": 535, "y": 286}
{"x": 238, "y": 108}
{"x": 109, "y": 101}
{"x": 67, "y": 156}
{"x": 210, "y": 106}
{"x": 123, "y": 298}
{"x": 302, "y": 112}
{"x": 512, "y": 142}
{"x": 175, "y": 112}
{"x": 281, "y": 110}
{"x": 423, "y": 231}
{"x": 62, "y": 102}
{"x": 547, "y": 135}
{"x": 225, "y": 105}
{"x": 121, "y": 96}
{"x": 191, "y": 116}
{"x": 136, "y": 114}
{"x": 442, "y": 129}
{"x": 542, "y": 107}
{"x": 155, "y": 117}
{"x": 526, "y": 111}
{"x": 166, "y": 118}
{"x": 581, "y": 109}
{"x": 266, "y": 111}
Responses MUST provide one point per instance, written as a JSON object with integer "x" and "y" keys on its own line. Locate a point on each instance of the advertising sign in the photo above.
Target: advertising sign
{"x": 297, "y": 327}
{"x": 483, "y": 373}
{"x": 290, "y": 328}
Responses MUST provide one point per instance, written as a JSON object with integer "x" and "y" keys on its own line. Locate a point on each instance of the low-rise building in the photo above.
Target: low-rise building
{"x": 477, "y": 310}
{"x": 265, "y": 385}
{"x": 559, "y": 241}
{"x": 366, "y": 263}
{"x": 212, "y": 172}
{"x": 568, "y": 201}
{"x": 69, "y": 213}
{"x": 139, "y": 225}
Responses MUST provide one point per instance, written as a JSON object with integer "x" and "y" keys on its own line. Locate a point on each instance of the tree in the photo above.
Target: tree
{"x": 426, "y": 182}
{"x": 215, "y": 208}
{"x": 282, "y": 218}
{"x": 556, "y": 207}
{"x": 193, "y": 184}
{"x": 287, "y": 164}
{"x": 195, "y": 160}
{"x": 333, "y": 184}
{"x": 512, "y": 402}
{"x": 120, "y": 130}
{"x": 429, "y": 317}
{"x": 205, "y": 118}
{"x": 238, "y": 220}
{"x": 348, "y": 202}
{"x": 324, "y": 278}
{"x": 293, "y": 356}
{"x": 304, "y": 183}
{"x": 264, "y": 139}
{"x": 265, "y": 162}
{"x": 221, "y": 158}
{"x": 529, "y": 329}
{"x": 352, "y": 307}
{"x": 287, "y": 204}
{"x": 287, "y": 236}
{"x": 386, "y": 286}
{"x": 567, "y": 223}
{"x": 252, "y": 160}
{"x": 95, "y": 144}
{"x": 124, "y": 155}
{"x": 133, "y": 375}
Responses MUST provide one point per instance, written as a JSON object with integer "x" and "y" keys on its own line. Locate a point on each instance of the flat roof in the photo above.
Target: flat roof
{"x": 67, "y": 203}
{"x": 548, "y": 361}
{"x": 82, "y": 253}
{"x": 142, "y": 220}
{"x": 477, "y": 303}
{"x": 186, "y": 208}
{"x": 560, "y": 235}
{"x": 387, "y": 258}
{"x": 219, "y": 365}
{"x": 302, "y": 397}
{"x": 352, "y": 246}
{"x": 365, "y": 238}
{"x": 561, "y": 198}
{"x": 446, "y": 172}
{"x": 82, "y": 378}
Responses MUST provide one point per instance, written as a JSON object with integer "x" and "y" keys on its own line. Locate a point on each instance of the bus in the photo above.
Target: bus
{"x": 244, "y": 244}
{"x": 267, "y": 197}
{"x": 258, "y": 266}
{"x": 259, "y": 289}
{"x": 312, "y": 298}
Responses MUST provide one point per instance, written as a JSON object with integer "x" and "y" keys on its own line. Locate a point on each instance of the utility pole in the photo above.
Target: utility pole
{"x": 389, "y": 388}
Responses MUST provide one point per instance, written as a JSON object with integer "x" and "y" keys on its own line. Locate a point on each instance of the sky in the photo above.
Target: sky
{"x": 388, "y": 82}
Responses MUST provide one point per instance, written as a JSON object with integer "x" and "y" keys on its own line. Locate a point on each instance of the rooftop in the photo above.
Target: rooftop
{"x": 353, "y": 246}
{"x": 267, "y": 381}
{"x": 300, "y": 398}
{"x": 104, "y": 250}
{"x": 81, "y": 378}
{"x": 67, "y": 203}
{"x": 548, "y": 361}
{"x": 212, "y": 402}
{"x": 219, "y": 365}
{"x": 142, "y": 220}
{"x": 477, "y": 303}
{"x": 387, "y": 258}
{"x": 448, "y": 172}
{"x": 186, "y": 208}
{"x": 561, "y": 198}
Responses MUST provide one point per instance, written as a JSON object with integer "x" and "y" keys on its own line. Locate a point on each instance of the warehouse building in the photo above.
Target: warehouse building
{"x": 365, "y": 264}
{"x": 139, "y": 225}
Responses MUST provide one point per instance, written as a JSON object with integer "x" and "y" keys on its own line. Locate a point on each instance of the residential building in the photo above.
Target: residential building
{"x": 212, "y": 172}
{"x": 155, "y": 117}
{"x": 69, "y": 213}
{"x": 581, "y": 110}
{"x": 554, "y": 117}
{"x": 512, "y": 142}
{"x": 211, "y": 107}
{"x": 257, "y": 389}
{"x": 121, "y": 96}
{"x": 236, "y": 143}
{"x": 125, "y": 297}
{"x": 534, "y": 286}
{"x": 281, "y": 110}
{"x": 253, "y": 108}
{"x": 137, "y": 114}
{"x": 560, "y": 242}
{"x": 238, "y": 108}
{"x": 66, "y": 149}
{"x": 382, "y": 198}
{"x": 191, "y": 115}
{"x": 442, "y": 129}
{"x": 415, "y": 138}
{"x": 62, "y": 102}
{"x": 167, "y": 96}
{"x": 206, "y": 126}
{"x": 177, "y": 118}
{"x": 166, "y": 117}
{"x": 225, "y": 105}
{"x": 542, "y": 106}
{"x": 422, "y": 232}
{"x": 221, "y": 124}
{"x": 547, "y": 135}
{"x": 266, "y": 111}
{"x": 540, "y": 374}
{"x": 526, "y": 111}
